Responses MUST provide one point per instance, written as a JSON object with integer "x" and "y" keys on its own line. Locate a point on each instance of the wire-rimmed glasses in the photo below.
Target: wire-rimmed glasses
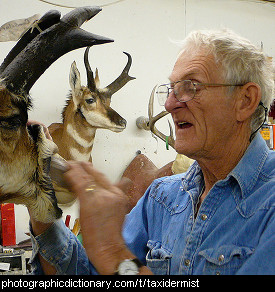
{"x": 184, "y": 90}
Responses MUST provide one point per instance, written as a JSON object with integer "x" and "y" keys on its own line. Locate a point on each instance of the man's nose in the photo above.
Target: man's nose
{"x": 172, "y": 103}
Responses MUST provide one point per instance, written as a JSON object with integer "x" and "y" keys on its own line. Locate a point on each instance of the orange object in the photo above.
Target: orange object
{"x": 76, "y": 227}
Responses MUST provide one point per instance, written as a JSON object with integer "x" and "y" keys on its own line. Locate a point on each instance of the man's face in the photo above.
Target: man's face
{"x": 204, "y": 124}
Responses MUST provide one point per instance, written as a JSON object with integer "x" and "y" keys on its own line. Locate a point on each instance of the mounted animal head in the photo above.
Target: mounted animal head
{"x": 93, "y": 103}
{"x": 25, "y": 153}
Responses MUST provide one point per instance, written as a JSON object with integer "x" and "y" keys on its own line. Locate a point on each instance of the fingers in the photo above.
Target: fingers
{"x": 45, "y": 129}
{"x": 77, "y": 178}
{"x": 81, "y": 177}
{"x": 47, "y": 133}
{"x": 99, "y": 178}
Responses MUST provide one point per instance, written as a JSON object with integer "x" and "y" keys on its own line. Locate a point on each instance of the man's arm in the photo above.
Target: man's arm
{"x": 60, "y": 248}
{"x": 103, "y": 207}
{"x": 38, "y": 228}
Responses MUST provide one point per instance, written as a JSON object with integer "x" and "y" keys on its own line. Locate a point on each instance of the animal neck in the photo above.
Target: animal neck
{"x": 80, "y": 136}
{"x": 83, "y": 136}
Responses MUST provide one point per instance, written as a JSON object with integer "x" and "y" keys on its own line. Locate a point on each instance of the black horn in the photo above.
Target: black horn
{"x": 90, "y": 75}
{"x": 50, "y": 18}
{"x": 122, "y": 79}
{"x": 66, "y": 35}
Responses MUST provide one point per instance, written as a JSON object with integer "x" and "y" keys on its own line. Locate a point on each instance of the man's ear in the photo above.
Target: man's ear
{"x": 248, "y": 101}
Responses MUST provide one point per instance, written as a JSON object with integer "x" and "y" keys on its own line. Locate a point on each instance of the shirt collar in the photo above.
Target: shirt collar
{"x": 245, "y": 173}
{"x": 249, "y": 167}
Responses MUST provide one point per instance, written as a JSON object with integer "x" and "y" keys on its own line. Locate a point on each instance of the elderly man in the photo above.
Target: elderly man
{"x": 218, "y": 217}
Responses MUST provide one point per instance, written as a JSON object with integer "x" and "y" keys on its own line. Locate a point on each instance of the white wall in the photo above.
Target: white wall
{"x": 144, "y": 29}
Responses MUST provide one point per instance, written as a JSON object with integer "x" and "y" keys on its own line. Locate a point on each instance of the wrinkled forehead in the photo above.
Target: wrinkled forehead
{"x": 199, "y": 65}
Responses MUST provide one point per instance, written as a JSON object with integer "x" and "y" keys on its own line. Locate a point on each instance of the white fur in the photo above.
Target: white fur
{"x": 82, "y": 142}
{"x": 79, "y": 156}
{"x": 98, "y": 120}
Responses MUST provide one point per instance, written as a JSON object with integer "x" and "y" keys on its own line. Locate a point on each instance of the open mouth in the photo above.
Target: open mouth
{"x": 184, "y": 125}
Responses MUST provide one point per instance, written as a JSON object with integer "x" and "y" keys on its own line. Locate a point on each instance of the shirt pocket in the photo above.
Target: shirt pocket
{"x": 225, "y": 260}
{"x": 158, "y": 258}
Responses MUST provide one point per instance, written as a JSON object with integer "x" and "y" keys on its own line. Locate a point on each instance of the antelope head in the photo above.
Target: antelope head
{"x": 25, "y": 153}
{"x": 93, "y": 103}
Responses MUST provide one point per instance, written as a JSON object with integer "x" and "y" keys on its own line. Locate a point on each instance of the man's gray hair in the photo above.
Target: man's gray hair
{"x": 242, "y": 62}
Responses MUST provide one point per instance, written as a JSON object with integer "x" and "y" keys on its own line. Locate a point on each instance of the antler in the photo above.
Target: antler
{"x": 149, "y": 124}
{"x": 45, "y": 48}
{"x": 122, "y": 79}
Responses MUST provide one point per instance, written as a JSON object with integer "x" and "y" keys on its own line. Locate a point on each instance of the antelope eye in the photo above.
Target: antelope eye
{"x": 90, "y": 100}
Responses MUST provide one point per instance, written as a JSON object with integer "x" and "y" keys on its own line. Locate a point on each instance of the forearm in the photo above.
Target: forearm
{"x": 58, "y": 247}
{"x": 109, "y": 260}
{"x": 127, "y": 255}
{"x": 38, "y": 228}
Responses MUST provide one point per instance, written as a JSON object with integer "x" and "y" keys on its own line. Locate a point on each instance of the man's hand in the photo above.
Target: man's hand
{"x": 103, "y": 207}
{"x": 45, "y": 129}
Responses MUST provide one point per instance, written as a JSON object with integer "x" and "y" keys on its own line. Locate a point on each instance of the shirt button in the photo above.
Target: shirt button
{"x": 221, "y": 258}
{"x": 203, "y": 217}
{"x": 187, "y": 263}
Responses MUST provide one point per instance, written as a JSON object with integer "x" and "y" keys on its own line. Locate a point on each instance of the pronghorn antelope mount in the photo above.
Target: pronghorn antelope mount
{"x": 87, "y": 109}
{"x": 25, "y": 152}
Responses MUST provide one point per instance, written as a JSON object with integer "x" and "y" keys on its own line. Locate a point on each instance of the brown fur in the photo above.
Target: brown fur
{"x": 24, "y": 161}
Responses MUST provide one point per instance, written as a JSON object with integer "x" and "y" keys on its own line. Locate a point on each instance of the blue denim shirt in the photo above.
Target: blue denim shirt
{"x": 233, "y": 231}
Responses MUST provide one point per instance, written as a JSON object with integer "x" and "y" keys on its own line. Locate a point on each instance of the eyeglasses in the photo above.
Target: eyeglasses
{"x": 184, "y": 90}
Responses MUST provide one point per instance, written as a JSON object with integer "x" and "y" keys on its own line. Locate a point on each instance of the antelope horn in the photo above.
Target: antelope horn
{"x": 90, "y": 75}
{"x": 23, "y": 71}
{"x": 122, "y": 79}
{"x": 47, "y": 20}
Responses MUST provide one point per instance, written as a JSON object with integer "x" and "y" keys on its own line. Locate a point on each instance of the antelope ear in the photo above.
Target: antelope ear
{"x": 75, "y": 82}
